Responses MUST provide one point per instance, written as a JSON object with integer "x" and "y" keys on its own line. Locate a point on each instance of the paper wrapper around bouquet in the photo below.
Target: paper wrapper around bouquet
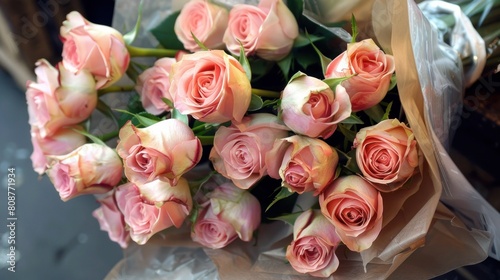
{"x": 445, "y": 224}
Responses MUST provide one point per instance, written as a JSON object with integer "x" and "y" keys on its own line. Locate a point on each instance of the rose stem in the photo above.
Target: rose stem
{"x": 138, "y": 51}
{"x": 266, "y": 93}
{"x": 115, "y": 89}
{"x": 206, "y": 140}
{"x": 107, "y": 136}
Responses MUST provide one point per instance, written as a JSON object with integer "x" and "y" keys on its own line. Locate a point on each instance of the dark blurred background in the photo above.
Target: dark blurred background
{"x": 57, "y": 240}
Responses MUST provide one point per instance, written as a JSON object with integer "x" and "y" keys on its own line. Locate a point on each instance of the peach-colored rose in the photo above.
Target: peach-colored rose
{"x": 154, "y": 84}
{"x": 302, "y": 163}
{"x": 239, "y": 151}
{"x": 59, "y": 98}
{"x": 372, "y": 69}
{"x": 311, "y": 108}
{"x": 267, "y": 30}
{"x": 61, "y": 142}
{"x": 227, "y": 213}
{"x": 387, "y": 154}
{"x": 207, "y": 21}
{"x": 90, "y": 169}
{"x": 355, "y": 208}
{"x": 154, "y": 207}
{"x": 211, "y": 86}
{"x": 314, "y": 243}
{"x": 111, "y": 220}
{"x": 96, "y": 48}
{"x": 167, "y": 149}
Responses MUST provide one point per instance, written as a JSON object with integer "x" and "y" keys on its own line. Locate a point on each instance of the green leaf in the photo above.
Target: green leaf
{"x": 106, "y": 110}
{"x": 130, "y": 36}
{"x": 284, "y": 193}
{"x": 306, "y": 59}
{"x": 296, "y": 7}
{"x": 352, "y": 119}
{"x": 334, "y": 82}
{"x": 351, "y": 164}
{"x": 179, "y": 116}
{"x": 94, "y": 138}
{"x": 244, "y": 62}
{"x": 168, "y": 102}
{"x": 144, "y": 118}
{"x": 302, "y": 40}
{"x": 323, "y": 59}
{"x": 165, "y": 34}
{"x": 393, "y": 82}
{"x": 256, "y": 103}
{"x": 387, "y": 112}
{"x": 375, "y": 113}
{"x": 288, "y": 218}
{"x": 296, "y": 75}
{"x": 354, "y": 28}
{"x": 285, "y": 65}
{"x": 348, "y": 134}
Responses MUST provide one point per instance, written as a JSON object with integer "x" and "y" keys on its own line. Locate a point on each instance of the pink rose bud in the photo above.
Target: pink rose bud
{"x": 314, "y": 243}
{"x": 211, "y": 86}
{"x": 90, "y": 169}
{"x": 207, "y": 21}
{"x": 59, "y": 98}
{"x": 387, "y": 154}
{"x": 355, "y": 208}
{"x": 372, "y": 68}
{"x": 61, "y": 142}
{"x": 311, "y": 108}
{"x": 268, "y": 30}
{"x": 96, "y": 48}
{"x": 239, "y": 151}
{"x": 145, "y": 215}
{"x": 228, "y": 213}
{"x": 154, "y": 84}
{"x": 111, "y": 220}
{"x": 303, "y": 164}
{"x": 166, "y": 149}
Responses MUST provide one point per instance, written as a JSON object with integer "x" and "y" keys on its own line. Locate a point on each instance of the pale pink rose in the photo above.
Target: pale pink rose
{"x": 267, "y": 30}
{"x": 154, "y": 84}
{"x": 207, "y": 21}
{"x": 111, "y": 220}
{"x": 228, "y": 213}
{"x": 314, "y": 243}
{"x": 166, "y": 149}
{"x": 355, "y": 208}
{"x": 387, "y": 154}
{"x": 372, "y": 70}
{"x": 239, "y": 151}
{"x": 211, "y": 86}
{"x": 311, "y": 108}
{"x": 90, "y": 169}
{"x": 61, "y": 142}
{"x": 96, "y": 48}
{"x": 145, "y": 215}
{"x": 303, "y": 164}
{"x": 59, "y": 98}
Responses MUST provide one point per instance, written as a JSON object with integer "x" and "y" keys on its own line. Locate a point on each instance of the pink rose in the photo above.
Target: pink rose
{"x": 111, "y": 220}
{"x": 311, "y": 108}
{"x": 211, "y": 86}
{"x": 355, "y": 208}
{"x": 228, "y": 213}
{"x": 154, "y": 207}
{"x": 302, "y": 163}
{"x": 90, "y": 169}
{"x": 372, "y": 68}
{"x": 61, "y": 142}
{"x": 314, "y": 243}
{"x": 239, "y": 151}
{"x": 167, "y": 150}
{"x": 205, "y": 20}
{"x": 387, "y": 154}
{"x": 96, "y": 48}
{"x": 154, "y": 84}
{"x": 268, "y": 30}
{"x": 59, "y": 98}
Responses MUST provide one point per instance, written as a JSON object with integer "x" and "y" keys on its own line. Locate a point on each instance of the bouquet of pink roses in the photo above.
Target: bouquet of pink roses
{"x": 250, "y": 127}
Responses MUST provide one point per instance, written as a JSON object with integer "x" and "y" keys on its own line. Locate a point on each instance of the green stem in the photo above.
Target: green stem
{"x": 138, "y": 51}
{"x": 108, "y": 136}
{"x": 266, "y": 93}
{"x": 206, "y": 140}
{"x": 115, "y": 89}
